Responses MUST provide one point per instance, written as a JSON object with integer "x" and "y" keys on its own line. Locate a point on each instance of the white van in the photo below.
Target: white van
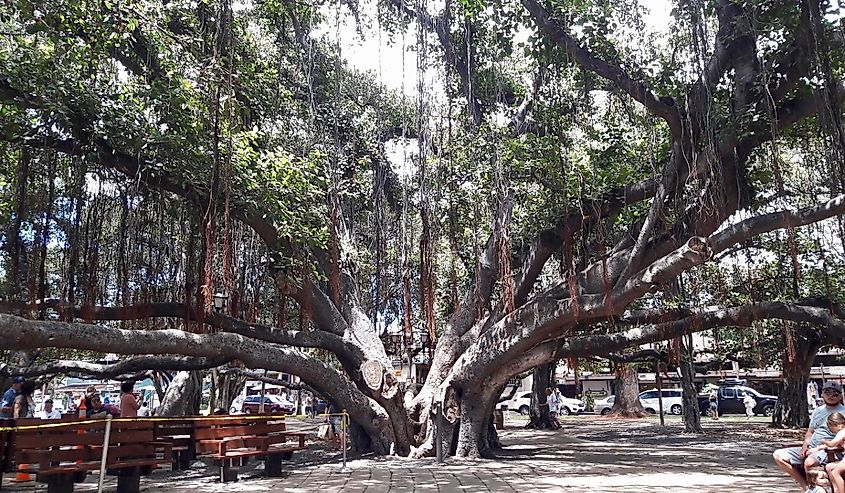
{"x": 673, "y": 401}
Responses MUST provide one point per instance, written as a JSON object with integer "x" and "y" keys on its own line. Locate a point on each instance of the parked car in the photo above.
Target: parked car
{"x": 730, "y": 398}
{"x": 520, "y": 402}
{"x": 603, "y": 406}
{"x": 566, "y": 405}
{"x": 272, "y": 404}
{"x": 673, "y": 401}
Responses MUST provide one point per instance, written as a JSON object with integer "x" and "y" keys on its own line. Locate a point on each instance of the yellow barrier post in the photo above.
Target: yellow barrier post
{"x": 343, "y": 417}
{"x": 438, "y": 429}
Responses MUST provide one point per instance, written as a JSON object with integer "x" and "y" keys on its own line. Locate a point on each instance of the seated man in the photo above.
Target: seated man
{"x": 99, "y": 410}
{"x": 49, "y": 412}
{"x": 788, "y": 458}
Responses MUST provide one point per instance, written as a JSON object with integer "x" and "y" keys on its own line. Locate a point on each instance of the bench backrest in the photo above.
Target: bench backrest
{"x": 216, "y": 429}
{"x": 49, "y": 446}
{"x": 170, "y": 428}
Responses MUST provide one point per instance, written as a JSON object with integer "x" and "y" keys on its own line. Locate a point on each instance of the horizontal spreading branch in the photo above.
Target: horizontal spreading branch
{"x": 17, "y": 333}
{"x": 738, "y": 316}
{"x": 550, "y": 316}
{"x": 130, "y": 366}
{"x": 591, "y": 212}
{"x": 264, "y": 378}
{"x": 296, "y": 338}
{"x": 748, "y": 228}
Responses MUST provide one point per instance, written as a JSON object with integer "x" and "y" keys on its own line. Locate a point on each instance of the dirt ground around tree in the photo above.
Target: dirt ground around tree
{"x": 590, "y": 453}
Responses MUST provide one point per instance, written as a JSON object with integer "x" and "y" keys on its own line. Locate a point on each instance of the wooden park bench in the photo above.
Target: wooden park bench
{"x": 230, "y": 442}
{"x": 62, "y": 453}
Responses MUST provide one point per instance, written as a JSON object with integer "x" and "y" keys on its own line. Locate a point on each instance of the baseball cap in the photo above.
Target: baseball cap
{"x": 832, "y": 386}
{"x": 19, "y": 379}
{"x": 48, "y": 400}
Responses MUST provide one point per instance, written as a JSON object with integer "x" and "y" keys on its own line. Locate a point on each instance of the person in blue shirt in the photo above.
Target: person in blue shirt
{"x": 8, "y": 399}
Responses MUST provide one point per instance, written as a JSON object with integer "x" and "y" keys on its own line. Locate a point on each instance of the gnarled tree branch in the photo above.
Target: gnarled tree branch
{"x": 130, "y": 366}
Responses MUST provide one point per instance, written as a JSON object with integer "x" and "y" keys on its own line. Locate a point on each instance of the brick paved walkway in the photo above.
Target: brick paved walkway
{"x": 590, "y": 454}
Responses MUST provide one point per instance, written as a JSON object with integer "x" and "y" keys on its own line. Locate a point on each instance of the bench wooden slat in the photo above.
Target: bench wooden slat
{"x": 79, "y": 436}
{"x": 218, "y": 431}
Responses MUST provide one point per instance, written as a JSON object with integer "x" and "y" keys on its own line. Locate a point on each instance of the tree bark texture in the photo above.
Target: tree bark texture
{"x": 183, "y": 395}
{"x": 792, "y": 410}
{"x": 692, "y": 413}
{"x": 627, "y": 403}
{"x": 541, "y": 378}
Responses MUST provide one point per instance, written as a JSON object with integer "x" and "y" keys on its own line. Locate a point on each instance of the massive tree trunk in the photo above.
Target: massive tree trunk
{"x": 472, "y": 425}
{"x": 627, "y": 403}
{"x": 183, "y": 395}
{"x": 791, "y": 410}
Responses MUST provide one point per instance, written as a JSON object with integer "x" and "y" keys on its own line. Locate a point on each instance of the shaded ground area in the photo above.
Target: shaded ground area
{"x": 590, "y": 453}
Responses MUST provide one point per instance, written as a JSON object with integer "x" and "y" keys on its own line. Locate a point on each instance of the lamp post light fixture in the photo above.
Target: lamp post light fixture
{"x": 427, "y": 344}
{"x": 395, "y": 343}
{"x": 220, "y": 301}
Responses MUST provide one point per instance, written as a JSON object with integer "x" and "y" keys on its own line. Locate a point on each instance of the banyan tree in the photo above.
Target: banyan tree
{"x": 558, "y": 182}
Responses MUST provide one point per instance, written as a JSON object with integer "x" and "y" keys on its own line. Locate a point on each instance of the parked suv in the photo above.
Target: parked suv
{"x": 272, "y": 404}
{"x": 673, "y": 401}
{"x": 730, "y": 400}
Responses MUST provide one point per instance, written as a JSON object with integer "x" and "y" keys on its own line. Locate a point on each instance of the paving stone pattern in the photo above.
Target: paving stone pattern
{"x": 590, "y": 454}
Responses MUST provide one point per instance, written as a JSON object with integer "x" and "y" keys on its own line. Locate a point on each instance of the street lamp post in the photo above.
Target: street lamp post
{"x": 425, "y": 340}
{"x": 395, "y": 343}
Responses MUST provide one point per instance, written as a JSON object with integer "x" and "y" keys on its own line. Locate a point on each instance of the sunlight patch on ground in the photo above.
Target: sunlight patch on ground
{"x": 681, "y": 481}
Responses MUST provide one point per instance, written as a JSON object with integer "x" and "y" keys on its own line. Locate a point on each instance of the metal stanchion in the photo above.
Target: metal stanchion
{"x": 438, "y": 426}
{"x": 105, "y": 454}
{"x": 343, "y": 439}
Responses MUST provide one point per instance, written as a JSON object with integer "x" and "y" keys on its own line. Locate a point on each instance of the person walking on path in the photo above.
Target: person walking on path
{"x": 713, "y": 410}
{"x": 788, "y": 458}
{"x": 749, "y": 403}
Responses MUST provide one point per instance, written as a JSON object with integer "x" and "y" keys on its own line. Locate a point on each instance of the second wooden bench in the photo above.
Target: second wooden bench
{"x": 230, "y": 442}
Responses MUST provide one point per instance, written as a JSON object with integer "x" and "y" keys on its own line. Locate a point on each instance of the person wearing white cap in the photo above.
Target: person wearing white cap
{"x": 788, "y": 458}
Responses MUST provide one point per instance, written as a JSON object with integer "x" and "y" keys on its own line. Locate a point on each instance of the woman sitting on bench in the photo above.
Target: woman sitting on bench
{"x": 98, "y": 410}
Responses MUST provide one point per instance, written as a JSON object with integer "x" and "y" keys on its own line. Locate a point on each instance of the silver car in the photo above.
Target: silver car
{"x": 603, "y": 406}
